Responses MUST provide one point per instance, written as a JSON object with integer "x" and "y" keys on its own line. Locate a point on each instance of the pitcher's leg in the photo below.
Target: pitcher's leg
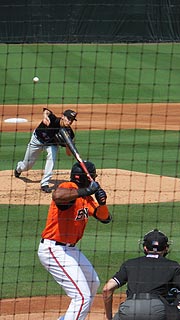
{"x": 32, "y": 153}
{"x": 50, "y": 163}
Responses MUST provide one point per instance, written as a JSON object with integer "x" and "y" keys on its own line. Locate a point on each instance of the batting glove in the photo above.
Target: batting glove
{"x": 101, "y": 196}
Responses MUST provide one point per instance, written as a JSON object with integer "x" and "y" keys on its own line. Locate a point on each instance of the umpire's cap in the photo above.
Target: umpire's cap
{"x": 155, "y": 240}
{"x": 70, "y": 114}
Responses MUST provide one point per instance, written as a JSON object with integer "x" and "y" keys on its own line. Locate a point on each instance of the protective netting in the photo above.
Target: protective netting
{"x": 127, "y": 99}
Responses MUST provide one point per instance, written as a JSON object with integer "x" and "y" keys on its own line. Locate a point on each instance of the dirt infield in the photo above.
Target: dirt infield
{"x": 96, "y": 117}
{"x": 47, "y": 308}
{"x": 122, "y": 186}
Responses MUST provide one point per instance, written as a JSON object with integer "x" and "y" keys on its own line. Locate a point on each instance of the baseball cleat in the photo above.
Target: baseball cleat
{"x": 17, "y": 174}
{"x": 46, "y": 189}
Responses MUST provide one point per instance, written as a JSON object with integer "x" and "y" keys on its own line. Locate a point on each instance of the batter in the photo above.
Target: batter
{"x": 69, "y": 211}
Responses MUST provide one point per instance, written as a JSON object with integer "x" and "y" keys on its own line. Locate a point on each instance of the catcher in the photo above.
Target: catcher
{"x": 46, "y": 137}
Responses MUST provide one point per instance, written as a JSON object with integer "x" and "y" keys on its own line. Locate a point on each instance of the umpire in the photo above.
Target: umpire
{"x": 149, "y": 279}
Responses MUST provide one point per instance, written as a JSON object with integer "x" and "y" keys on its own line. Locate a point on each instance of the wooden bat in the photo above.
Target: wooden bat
{"x": 74, "y": 151}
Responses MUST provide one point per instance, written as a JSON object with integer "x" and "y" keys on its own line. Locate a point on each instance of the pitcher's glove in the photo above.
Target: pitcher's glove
{"x": 101, "y": 196}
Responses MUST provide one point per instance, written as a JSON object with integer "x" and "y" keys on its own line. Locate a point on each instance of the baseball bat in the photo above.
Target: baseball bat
{"x": 74, "y": 151}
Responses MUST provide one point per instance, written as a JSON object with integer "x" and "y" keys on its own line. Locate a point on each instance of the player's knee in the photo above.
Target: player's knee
{"x": 95, "y": 286}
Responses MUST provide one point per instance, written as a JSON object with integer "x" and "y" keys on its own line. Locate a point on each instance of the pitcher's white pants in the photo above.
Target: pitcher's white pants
{"x": 34, "y": 148}
{"x": 74, "y": 273}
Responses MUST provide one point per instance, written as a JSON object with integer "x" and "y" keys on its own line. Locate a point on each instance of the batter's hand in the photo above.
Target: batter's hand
{"x": 101, "y": 196}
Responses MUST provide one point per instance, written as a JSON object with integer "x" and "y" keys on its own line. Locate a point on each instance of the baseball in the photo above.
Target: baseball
{"x": 35, "y": 79}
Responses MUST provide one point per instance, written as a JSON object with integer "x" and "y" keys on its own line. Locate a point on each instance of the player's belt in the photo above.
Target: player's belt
{"x": 143, "y": 296}
{"x": 57, "y": 243}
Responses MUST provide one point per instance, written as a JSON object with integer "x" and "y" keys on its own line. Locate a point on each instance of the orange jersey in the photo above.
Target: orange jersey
{"x": 68, "y": 226}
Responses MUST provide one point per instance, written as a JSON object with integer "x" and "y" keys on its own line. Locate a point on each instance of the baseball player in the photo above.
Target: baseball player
{"x": 148, "y": 278}
{"x": 69, "y": 211}
{"x": 46, "y": 137}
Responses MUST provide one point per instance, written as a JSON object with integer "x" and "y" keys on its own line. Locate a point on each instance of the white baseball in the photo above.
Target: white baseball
{"x": 35, "y": 79}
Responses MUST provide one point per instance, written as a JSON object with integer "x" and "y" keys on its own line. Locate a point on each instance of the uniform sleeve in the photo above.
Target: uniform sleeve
{"x": 176, "y": 278}
{"x": 102, "y": 214}
{"x": 54, "y": 120}
{"x": 121, "y": 276}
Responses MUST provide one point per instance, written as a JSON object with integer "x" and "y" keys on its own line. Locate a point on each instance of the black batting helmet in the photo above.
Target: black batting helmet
{"x": 155, "y": 241}
{"x": 80, "y": 177}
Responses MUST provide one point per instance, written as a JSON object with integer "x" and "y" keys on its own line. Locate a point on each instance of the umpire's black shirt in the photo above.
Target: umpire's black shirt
{"x": 149, "y": 274}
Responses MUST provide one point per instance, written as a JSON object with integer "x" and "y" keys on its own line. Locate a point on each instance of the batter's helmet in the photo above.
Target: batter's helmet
{"x": 79, "y": 176}
{"x": 155, "y": 241}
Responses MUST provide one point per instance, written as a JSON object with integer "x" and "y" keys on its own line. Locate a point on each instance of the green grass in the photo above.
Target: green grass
{"x": 106, "y": 246}
{"x": 89, "y": 73}
{"x": 150, "y": 151}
